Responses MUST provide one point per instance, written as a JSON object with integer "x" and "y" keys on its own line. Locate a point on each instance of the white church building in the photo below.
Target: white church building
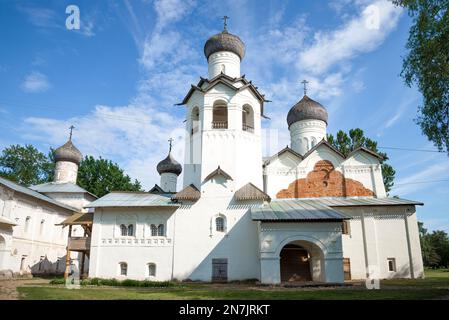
{"x": 307, "y": 213}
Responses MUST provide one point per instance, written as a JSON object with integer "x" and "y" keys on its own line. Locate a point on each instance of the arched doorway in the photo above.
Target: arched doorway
{"x": 295, "y": 263}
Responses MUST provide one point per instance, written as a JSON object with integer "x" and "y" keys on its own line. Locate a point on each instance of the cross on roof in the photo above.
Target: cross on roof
{"x": 305, "y": 82}
{"x": 170, "y": 142}
{"x": 225, "y": 19}
{"x": 71, "y": 131}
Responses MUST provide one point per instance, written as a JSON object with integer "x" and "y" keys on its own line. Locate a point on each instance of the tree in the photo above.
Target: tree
{"x": 440, "y": 242}
{"x": 427, "y": 65}
{"x": 101, "y": 176}
{"x": 429, "y": 255}
{"x": 346, "y": 143}
{"x": 24, "y": 164}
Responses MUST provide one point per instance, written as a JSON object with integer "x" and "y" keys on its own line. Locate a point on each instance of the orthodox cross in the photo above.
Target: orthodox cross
{"x": 170, "y": 142}
{"x": 225, "y": 19}
{"x": 71, "y": 131}
{"x": 305, "y": 82}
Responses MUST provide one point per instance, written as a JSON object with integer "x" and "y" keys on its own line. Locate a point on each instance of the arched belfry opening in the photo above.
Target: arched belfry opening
{"x": 301, "y": 261}
{"x": 220, "y": 115}
{"x": 195, "y": 118}
{"x": 247, "y": 118}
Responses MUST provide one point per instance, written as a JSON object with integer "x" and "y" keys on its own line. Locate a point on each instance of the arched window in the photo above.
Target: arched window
{"x": 154, "y": 230}
{"x": 160, "y": 230}
{"x": 130, "y": 230}
{"x": 27, "y": 224}
{"x": 123, "y": 230}
{"x": 220, "y": 115}
{"x": 220, "y": 224}
{"x": 151, "y": 269}
{"x": 123, "y": 268}
{"x": 2, "y": 243}
{"x": 247, "y": 118}
{"x": 195, "y": 117}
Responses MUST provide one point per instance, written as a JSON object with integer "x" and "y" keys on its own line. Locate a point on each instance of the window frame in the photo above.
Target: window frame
{"x": 151, "y": 272}
{"x": 393, "y": 261}
{"x": 123, "y": 266}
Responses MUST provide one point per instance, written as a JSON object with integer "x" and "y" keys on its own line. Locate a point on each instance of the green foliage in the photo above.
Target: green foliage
{"x": 427, "y": 65}
{"x": 434, "y": 247}
{"x": 120, "y": 283}
{"x": 345, "y": 143}
{"x": 101, "y": 176}
{"x": 28, "y": 166}
{"x": 25, "y": 165}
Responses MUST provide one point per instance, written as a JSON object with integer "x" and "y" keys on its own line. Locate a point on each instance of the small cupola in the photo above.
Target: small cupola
{"x": 169, "y": 170}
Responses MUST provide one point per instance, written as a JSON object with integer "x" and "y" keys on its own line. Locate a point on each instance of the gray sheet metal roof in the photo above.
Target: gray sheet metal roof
{"x": 363, "y": 201}
{"x": 17, "y": 187}
{"x": 60, "y": 187}
{"x": 132, "y": 199}
{"x": 296, "y": 210}
{"x": 318, "y": 209}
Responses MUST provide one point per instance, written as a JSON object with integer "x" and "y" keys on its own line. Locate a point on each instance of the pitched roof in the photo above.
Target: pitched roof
{"x": 296, "y": 210}
{"x": 79, "y": 218}
{"x": 229, "y": 82}
{"x": 188, "y": 193}
{"x": 67, "y": 187}
{"x": 156, "y": 190}
{"x": 325, "y": 143}
{"x": 370, "y": 152}
{"x": 251, "y": 192}
{"x": 5, "y": 220}
{"x": 132, "y": 199}
{"x": 218, "y": 171}
{"x": 318, "y": 209}
{"x": 286, "y": 149}
{"x": 29, "y": 192}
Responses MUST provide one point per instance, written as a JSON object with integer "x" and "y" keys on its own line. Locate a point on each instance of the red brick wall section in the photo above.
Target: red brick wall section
{"x": 324, "y": 181}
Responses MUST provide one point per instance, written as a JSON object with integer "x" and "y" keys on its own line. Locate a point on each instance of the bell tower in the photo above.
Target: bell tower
{"x": 224, "y": 115}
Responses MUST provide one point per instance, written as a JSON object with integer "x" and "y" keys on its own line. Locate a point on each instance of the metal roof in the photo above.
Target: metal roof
{"x": 17, "y": 187}
{"x": 5, "y": 220}
{"x": 296, "y": 210}
{"x": 363, "y": 201}
{"x": 60, "y": 187}
{"x": 132, "y": 199}
{"x": 318, "y": 209}
{"x": 79, "y": 218}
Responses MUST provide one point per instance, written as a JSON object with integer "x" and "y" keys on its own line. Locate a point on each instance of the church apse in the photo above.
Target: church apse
{"x": 324, "y": 181}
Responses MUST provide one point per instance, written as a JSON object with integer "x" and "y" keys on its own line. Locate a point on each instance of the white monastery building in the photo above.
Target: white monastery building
{"x": 32, "y": 238}
{"x": 308, "y": 213}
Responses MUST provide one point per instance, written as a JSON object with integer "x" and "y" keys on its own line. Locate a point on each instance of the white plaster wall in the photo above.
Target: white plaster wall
{"x": 168, "y": 182}
{"x": 305, "y": 134}
{"x": 42, "y": 238}
{"x": 66, "y": 171}
{"x": 224, "y": 61}
{"x": 77, "y": 200}
{"x": 378, "y": 233}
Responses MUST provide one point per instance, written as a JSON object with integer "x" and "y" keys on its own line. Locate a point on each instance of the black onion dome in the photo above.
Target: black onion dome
{"x": 306, "y": 109}
{"x": 68, "y": 152}
{"x": 169, "y": 165}
{"x": 224, "y": 41}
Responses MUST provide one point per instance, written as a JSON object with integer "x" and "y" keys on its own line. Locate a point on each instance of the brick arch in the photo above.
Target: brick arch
{"x": 324, "y": 181}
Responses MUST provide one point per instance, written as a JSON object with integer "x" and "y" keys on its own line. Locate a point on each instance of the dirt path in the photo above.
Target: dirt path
{"x": 8, "y": 288}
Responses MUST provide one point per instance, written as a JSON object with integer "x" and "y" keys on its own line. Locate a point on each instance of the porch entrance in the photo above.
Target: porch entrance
{"x": 295, "y": 264}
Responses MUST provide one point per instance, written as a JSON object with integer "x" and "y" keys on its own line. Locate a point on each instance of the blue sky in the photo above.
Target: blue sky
{"x": 118, "y": 77}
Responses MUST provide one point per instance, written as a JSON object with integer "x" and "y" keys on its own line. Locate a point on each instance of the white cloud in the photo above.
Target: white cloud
{"x": 35, "y": 82}
{"x": 355, "y": 37}
{"x": 409, "y": 184}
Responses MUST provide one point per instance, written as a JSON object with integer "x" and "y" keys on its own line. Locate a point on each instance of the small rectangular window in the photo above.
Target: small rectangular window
{"x": 391, "y": 264}
{"x": 345, "y": 227}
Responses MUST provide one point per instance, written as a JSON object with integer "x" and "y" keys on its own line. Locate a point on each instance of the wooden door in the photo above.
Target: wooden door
{"x": 347, "y": 268}
{"x": 219, "y": 270}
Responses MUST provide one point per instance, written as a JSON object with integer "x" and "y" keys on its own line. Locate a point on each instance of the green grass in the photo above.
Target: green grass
{"x": 435, "y": 286}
